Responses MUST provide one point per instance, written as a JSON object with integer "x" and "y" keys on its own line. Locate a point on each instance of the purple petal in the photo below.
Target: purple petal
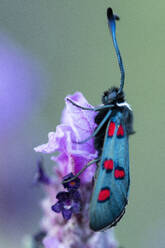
{"x": 72, "y": 185}
{"x": 80, "y": 161}
{"x": 68, "y": 203}
{"x": 81, "y": 121}
{"x": 56, "y": 140}
{"x": 77, "y": 124}
{"x": 64, "y": 164}
{"x": 76, "y": 196}
{"x": 63, "y": 196}
{"x": 75, "y": 160}
{"x": 73, "y": 114}
{"x": 67, "y": 213}
{"x": 52, "y": 242}
{"x": 76, "y": 207}
{"x": 57, "y": 207}
{"x": 48, "y": 147}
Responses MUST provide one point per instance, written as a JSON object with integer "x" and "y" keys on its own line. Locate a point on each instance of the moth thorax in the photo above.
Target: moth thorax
{"x": 112, "y": 96}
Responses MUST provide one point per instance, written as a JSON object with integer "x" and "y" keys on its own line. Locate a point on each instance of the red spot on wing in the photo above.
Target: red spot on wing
{"x": 119, "y": 173}
{"x": 108, "y": 165}
{"x": 111, "y": 129}
{"x": 104, "y": 195}
{"x": 120, "y": 131}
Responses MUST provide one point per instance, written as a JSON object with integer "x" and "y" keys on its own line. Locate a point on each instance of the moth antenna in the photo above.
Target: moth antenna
{"x": 112, "y": 26}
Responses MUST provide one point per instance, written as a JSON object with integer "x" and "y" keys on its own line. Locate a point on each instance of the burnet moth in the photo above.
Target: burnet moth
{"x": 114, "y": 121}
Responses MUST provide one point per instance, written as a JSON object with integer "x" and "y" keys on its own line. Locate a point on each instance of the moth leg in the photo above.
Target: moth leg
{"x": 91, "y": 109}
{"x": 97, "y": 168}
{"x": 104, "y": 107}
{"x": 97, "y": 129}
{"x": 96, "y": 172}
{"x": 78, "y": 106}
{"x": 82, "y": 170}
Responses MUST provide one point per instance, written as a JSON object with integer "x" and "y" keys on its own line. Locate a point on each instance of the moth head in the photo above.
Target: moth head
{"x": 113, "y": 96}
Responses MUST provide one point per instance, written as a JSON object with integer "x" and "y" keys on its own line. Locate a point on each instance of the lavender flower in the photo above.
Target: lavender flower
{"x": 68, "y": 203}
{"x": 76, "y": 124}
{"x": 71, "y": 229}
{"x": 72, "y": 185}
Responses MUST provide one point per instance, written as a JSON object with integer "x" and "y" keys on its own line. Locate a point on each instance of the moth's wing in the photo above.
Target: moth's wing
{"x": 112, "y": 179}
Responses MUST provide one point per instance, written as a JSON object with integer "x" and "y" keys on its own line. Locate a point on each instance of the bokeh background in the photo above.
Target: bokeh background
{"x": 52, "y": 48}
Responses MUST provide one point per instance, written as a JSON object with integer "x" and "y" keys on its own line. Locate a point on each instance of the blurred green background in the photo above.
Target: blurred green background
{"x": 52, "y": 48}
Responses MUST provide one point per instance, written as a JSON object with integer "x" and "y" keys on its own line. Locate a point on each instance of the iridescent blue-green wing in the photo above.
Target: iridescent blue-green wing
{"x": 112, "y": 178}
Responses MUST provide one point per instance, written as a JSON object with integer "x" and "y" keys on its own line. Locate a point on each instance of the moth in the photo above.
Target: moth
{"x": 114, "y": 121}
